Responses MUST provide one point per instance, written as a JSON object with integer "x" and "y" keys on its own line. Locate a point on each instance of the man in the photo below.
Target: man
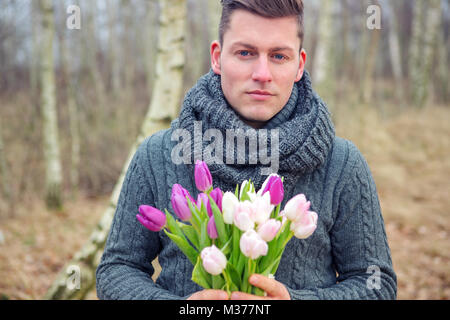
{"x": 257, "y": 83}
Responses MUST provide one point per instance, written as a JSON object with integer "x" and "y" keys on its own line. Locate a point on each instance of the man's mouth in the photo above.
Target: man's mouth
{"x": 260, "y": 95}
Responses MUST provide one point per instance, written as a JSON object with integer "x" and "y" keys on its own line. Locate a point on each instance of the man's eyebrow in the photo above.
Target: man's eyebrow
{"x": 249, "y": 46}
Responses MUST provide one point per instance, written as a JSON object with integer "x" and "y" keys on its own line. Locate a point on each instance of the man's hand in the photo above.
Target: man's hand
{"x": 275, "y": 290}
{"x": 209, "y": 294}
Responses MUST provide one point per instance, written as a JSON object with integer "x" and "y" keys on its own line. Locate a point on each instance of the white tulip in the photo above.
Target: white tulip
{"x": 229, "y": 203}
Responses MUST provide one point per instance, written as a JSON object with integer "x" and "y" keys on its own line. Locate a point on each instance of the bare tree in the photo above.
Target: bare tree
{"x": 426, "y": 24}
{"x": 4, "y": 174}
{"x": 394, "y": 48}
{"x": 48, "y": 105}
{"x": 164, "y": 107}
{"x": 370, "y": 57}
{"x": 323, "y": 73}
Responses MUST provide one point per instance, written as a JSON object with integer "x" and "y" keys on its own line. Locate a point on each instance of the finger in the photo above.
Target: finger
{"x": 270, "y": 286}
{"x": 245, "y": 296}
{"x": 216, "y": 294}
{"x": 210, "y": 294}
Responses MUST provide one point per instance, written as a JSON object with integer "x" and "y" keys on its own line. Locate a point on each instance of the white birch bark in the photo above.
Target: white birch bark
{"x": 48, "y": 105}
{"x": 425, "y": 35}
{"x": 163, "y": 109}
{"x": 323, "y": 69}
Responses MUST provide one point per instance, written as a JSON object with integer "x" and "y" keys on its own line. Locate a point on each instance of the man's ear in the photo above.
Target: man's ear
{"x": 215, "y": 56}
{"x": 301, "y": 66}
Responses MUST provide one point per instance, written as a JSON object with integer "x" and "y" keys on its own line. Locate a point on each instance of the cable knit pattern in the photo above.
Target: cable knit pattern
{"x": 334, "y": 263}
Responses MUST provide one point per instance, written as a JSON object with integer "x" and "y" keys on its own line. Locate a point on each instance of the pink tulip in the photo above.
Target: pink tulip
{"x": 274, "y": 186}
{"x": 252, "y": 245}
{"x": 269, "y": 229}
{"x": 151, "y": 218}
{"x": 203, "y": 179}
{"x": 203, "y": 198}
{"x": 214, "y": 261}
{"x": 179, "y": 203}
{"x": 305, "y": 225}
{"x": 217, "y": 196}
{"x": 296, "y": 207}
{"x": 212, "y": 229}
{"x": 242, "y": 216}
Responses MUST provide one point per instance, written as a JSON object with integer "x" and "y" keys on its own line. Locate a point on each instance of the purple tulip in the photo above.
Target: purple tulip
{"x": 211, "y": 228}
{"x": 179, "y": 203}
{"x": 217, "y": 196}
{"x": 203, "y": 179}
{"x": 151, "y": 218}
{"x": 274, "y": 185}
{"x": 202, "y": 197}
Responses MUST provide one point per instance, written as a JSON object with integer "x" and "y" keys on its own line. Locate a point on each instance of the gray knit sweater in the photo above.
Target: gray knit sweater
{"x": 347, "y": 257}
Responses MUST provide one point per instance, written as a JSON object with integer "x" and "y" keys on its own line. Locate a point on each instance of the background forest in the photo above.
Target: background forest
{"x": 76, "y": 100}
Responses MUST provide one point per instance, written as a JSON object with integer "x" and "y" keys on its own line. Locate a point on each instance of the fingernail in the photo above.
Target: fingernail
{"x": 253, "y": 279}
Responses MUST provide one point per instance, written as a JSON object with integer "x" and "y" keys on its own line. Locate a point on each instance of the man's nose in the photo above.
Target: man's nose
{"x": 261, "y": 70}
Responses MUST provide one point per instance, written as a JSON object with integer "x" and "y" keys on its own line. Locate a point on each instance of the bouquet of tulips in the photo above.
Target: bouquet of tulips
{"x": 230, "y": 236}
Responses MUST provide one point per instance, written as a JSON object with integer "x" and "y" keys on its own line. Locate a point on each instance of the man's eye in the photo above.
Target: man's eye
{"x": 279, "y": 56}
{"x": 244, "y": 53}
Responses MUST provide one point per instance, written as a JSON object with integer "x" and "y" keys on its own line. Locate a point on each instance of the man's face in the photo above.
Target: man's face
{"x": 259, "y": 62}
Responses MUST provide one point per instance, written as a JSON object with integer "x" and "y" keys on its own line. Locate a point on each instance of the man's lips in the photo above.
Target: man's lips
{"x": 260, "y": 95}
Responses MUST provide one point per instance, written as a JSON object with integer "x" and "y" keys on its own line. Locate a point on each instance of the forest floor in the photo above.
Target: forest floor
{"x": 407, "y": 152}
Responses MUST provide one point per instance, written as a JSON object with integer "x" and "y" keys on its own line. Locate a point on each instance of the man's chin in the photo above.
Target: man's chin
{"x": 256, "y": 123}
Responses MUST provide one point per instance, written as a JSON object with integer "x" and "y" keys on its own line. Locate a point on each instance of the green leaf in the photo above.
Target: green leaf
{"x": 226, "y": 249}
{"x": 200, "y": 276}
{"x": 195, "y": 213}
{"x": 205, "y": 241}
{"x": 242, "y": 261}
{"x": 234, "y": 276}
{"x": 236, "y": 242}
{"x": 217, "y": 282}
{"x": 184, "y": 246}
{"x": 191, "y": 234}
{"x": 174, "y": 228}
{"x": 218, "y": 219}
{"x": 271, "y": 269}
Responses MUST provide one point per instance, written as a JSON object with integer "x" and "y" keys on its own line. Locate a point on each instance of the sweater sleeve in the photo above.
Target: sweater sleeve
{"x": 125, "y": 270}
{"x": 361, "y": 254}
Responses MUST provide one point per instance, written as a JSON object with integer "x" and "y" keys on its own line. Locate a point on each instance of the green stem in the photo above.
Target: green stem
{"x": 227, "y": 281}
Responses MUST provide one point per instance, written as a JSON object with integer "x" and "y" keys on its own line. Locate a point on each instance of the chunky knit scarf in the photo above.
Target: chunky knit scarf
{"x": 304, "y": 128}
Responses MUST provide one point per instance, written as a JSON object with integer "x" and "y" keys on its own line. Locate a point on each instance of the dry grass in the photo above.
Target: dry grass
{"x": 408, "y": 154}
{"x": 38, "y": 243}
{"x": 409, "y": 158}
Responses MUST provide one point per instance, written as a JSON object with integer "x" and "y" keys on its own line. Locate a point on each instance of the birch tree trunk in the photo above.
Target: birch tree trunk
{"x": 164, "y": 107}
{"x": 323, "y": 69}
{"x": 423, "y": 42}
{"x": 151, "y": 34}
{"x": 394, "y": 49}
{"x": 34, "y": 61}
{"x": 4, "y": 174}
{"x": 48, "y": 105}
{"x": 67, "y": 53}
{"x": 114, "y": 67}
{"x": 442, "y": 85}
{"x": 367, "y": 78}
